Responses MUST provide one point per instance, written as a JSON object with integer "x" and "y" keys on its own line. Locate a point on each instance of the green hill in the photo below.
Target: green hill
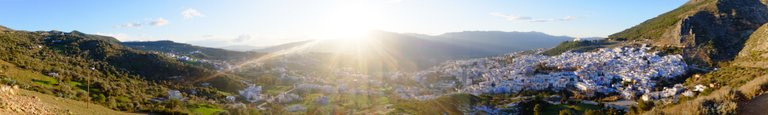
{"x": 100, "y": 70}
{"x": 190, "y": 50}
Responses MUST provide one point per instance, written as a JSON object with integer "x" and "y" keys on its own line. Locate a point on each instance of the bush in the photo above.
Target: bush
{"x": 592, "y": 112}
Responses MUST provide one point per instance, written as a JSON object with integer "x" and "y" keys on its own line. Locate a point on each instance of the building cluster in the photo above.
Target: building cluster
{"x": 629, "y": 71}
{"x": 252, "y": 93}
{"x": 217, "y": 64}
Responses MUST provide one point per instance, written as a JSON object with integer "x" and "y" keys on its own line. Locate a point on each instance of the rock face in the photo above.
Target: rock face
{"x": 707, "y": 31}
{"x": 755, "y": 51}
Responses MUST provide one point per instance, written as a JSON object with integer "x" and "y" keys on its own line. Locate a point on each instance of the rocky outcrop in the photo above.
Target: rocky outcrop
{"x": 707, "y": 31}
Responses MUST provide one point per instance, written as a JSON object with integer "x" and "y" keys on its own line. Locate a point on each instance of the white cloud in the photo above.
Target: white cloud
{"x": 190, "y": 13}
{"x": 158, "y": 22}
{"x": 542, "y": 20}
{"x": 129, "y": 25}
{"x": 511, "y": 17}
{"x": 567, "y": 18}
{"x": 242, "y": 38}
{"x": 155, "y": 22}
{"x": 530, "y": 19}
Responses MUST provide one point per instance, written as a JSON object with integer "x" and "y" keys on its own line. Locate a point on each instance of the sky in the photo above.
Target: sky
{"x": 264, "y": 23}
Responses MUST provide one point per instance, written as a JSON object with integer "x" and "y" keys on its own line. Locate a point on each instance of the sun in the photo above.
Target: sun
{"x": 350, "y": 20}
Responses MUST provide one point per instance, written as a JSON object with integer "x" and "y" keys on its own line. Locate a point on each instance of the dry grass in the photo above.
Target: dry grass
{"x": 723, "y": 101}
{"x": 755, "y": 87}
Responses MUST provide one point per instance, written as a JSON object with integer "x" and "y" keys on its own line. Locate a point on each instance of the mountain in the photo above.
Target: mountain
{"x": 501, "y": 42}
{"x": 241, "y": 48}
{"x": 190, "y": 50}
{"x": 728, "y": 34}
{"x": 428, "y": 50}
{"x": 283, "y": 46}
{"x": 705, "y": 31}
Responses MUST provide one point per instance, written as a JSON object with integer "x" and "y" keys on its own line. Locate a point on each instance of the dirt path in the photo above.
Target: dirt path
{"x": 756, "y": 106}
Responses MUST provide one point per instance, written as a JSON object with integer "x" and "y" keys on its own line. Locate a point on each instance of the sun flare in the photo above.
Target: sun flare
{"x": 350, "y": 20}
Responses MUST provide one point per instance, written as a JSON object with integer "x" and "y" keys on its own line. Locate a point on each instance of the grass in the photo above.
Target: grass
{"x": 75, "y": 107}
{"x": 23, "y": 76}
{"x": 732, "y": 76}
{"x": 585, "y": 45}
{"x": 723, "y": 100}
{"x": 449, "y": 104}
{"x": 205, "y": 109}
{"x": 656, "y": 27}
{"x": 45, "y": 82}
{"x": 579, "y": 108}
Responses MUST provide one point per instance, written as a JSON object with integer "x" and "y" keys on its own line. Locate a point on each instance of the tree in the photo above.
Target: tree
{"x": 612, "y": 111}
{"x": 537, "y": 109}
{"x": 645, "y": 105}
{"x": 100, "y": 98}
{"x": 592, "y": 112}
{"x": 565, "y": 112}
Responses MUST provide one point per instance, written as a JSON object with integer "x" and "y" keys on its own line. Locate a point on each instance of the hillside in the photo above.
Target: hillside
{"x": 19, "y": 101}
{"x": 741, "y": 84}
{"x": 755, "y": 52}
{"x": 706, "y": 31}
{"x": 98, "y": 69}
{"x": 190, "y": 50}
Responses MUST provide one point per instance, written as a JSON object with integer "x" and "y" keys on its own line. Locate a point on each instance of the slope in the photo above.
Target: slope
{"x": 706, "y": 31}
{"x": 740, "y": 83}
{"x": 187, "y": 49}
{"x": 19, "y": 101}
{"x": 71, "y": 64}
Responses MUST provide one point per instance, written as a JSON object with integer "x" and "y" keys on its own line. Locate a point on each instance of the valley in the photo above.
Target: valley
{"x": 704, "y": 57}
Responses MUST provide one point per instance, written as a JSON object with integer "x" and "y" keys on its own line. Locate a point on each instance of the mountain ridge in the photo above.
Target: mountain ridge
{"x": 706, "y": 31}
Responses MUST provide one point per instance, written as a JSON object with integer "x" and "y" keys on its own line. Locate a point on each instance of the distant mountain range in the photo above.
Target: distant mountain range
{"x": 241, "y": 48}
{"x": 498, "y": 42}
{"x": 429, "y": 50}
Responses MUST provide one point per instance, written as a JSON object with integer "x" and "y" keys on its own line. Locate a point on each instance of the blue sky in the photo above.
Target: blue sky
{"x": 270, "y": 22}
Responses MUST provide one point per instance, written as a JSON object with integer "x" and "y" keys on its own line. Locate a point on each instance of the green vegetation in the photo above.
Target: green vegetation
{"x": 99, "y": 70}
{"x": 656, "y": 27}
{"x": 190, "y": 50}
{"x": 206, "y": 109}
{"x": 584, "y": 45}
{"x": 450, "y": 104}
{"x": 73, "y": 106}
{"x": 732, "y": 76}
{"x": 550, "y": 109}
